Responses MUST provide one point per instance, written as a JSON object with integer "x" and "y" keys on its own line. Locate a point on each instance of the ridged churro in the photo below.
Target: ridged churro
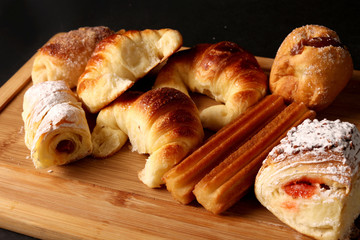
{"x": 181, "y": 179}
{"x": 231, "y": 179}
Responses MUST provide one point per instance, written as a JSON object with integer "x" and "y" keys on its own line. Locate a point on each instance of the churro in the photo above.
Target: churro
{"x": 231, "y": 179}
{"x": 181, "y": 179}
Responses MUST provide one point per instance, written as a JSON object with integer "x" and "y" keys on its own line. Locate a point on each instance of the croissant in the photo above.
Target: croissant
{"x": 163, "y": 123}
{"x": 65, "y": 56}
{"x": 122, "y": 59}
{"x": 223, "y": 71}
{"x": 56, "y": 130}
{"x": 311, "y": 180}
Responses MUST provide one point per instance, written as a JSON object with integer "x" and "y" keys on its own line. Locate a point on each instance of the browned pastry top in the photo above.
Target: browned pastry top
{"x": 311, "y": 66}
{"x": 69, "y": 45}
{"x": 212, "y": 59}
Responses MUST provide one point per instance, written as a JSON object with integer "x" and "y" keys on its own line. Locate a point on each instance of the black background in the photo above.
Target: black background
{"x": 259, "y": 26}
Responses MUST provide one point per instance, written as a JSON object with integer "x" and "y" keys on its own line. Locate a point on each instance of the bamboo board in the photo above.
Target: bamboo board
{"x": 103, "y": 199}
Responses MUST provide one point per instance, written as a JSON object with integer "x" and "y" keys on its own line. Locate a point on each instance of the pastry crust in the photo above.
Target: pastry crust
{"x": 311, "y": 66}
{"x": 65, "y": 56}
{"x": 56, "y": 129}
{"x": 122, "y": 59}
{"x": 311, "y": 180}
{"x": 222, "y": 71}
{"x": 163, "y": 123}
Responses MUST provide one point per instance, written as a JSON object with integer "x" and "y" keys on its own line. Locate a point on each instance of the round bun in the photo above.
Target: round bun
{"x": 311, "y": 66}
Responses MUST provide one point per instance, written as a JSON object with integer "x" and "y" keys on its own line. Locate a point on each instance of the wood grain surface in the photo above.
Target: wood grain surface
{"x": 103, "y": 199}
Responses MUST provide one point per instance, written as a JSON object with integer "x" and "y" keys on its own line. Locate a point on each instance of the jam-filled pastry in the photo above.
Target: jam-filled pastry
{"x": 223, "y": 71}
{"x": 311, "y": 180}
{"x": 122, "y": 59}
{"x": 56, "y": 129}
{"x": 65, "y": 56}
{"x": 163, "y": 123}
{"x": 311, "y": 66}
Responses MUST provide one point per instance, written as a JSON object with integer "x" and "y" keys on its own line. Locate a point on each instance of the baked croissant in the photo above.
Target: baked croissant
{"x": 65, "y": 56}
{"x": 122, "y": 59}
{"x": 311, "y": 180}
{"x": 56, "y": 129}
{"x": 163, "y": 123}
{"x": 222, "y": 71}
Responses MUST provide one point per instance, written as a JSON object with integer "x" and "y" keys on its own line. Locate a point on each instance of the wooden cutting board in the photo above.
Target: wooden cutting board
{"x": 103, "y": 199}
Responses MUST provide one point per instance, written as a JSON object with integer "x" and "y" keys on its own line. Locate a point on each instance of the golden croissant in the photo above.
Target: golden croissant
{"x": 122, "y": 59}
{"x": 163, "y": 123}
{"x": 223, "y": 71}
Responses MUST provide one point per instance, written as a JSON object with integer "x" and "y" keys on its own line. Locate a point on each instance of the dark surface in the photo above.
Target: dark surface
{"x": 258, "y": 26}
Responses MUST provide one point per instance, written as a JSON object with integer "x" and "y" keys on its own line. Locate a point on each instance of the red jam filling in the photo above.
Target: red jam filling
{"x": 317, "y": 42}
{"x": 303, "y": 188}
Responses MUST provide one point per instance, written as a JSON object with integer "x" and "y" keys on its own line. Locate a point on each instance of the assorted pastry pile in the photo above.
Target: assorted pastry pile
{"x": 305, "y": 171}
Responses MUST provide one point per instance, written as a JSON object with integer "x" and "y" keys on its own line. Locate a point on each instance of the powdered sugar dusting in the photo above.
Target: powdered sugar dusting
{"x": 60, "y": 116}
{"x": 320, "y": 137}
{"x": 48, "y": 106}
{"x": 41, "y": 91}
{"x": 47, "y": 103}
